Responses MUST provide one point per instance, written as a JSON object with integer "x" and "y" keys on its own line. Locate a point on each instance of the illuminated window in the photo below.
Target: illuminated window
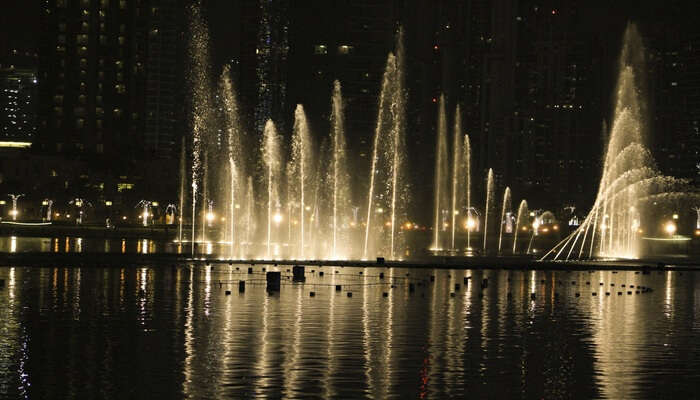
{"x": 80, "y": 123}
{"x": 124, "y": 186}
{"x": 320, "y": 49}
{"x": 82, "y": 51}
{"x": 345, "y": 49}
{"x": 120, "y": 88}
{"x": 81, "y": 39}
{"x": 117, "y": 112}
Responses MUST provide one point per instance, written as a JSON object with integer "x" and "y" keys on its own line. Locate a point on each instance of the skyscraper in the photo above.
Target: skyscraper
{"x": 18, "y": 97}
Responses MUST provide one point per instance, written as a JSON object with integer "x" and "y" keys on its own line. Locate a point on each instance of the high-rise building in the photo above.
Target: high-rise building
{"x": 18, "y": 97}
{"x": 108, "y": 78}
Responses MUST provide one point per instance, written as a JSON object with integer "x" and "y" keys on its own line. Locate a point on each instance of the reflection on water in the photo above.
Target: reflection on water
{"x": 173, "y": 332}
{"x": 14, "y": 244}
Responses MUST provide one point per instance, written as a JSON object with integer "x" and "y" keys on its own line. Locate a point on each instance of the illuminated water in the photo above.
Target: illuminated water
{"x": 172, "y": 333}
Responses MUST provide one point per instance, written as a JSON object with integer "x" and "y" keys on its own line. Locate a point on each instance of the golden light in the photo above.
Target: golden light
{"x": 670, "y": 228}
{"x": 154, "y": 204}
{"x": 456, "y": 212}
{"x": 210, "y": 216}
{"x": 278, "y": 218}
{"x": 57, "y": 215}
{"x": 108, "y": 203}
{"x": 408, "y": 225}
{"x": 387, "y": 223}
{"x": 238, "y": 206}
{"x": 67, "y": 215}
{"x": 223, "y": 219}
{"x": 123, "y": 217}
{"x": 545, "y": 230}
{"x": 640, "y": 230}
{"x": 307, "y": 208}
{"x": 13, "y": 213}
{"x": 532, "y": 213}
{"x": 471, "y": 224}
{"x": 675, "y": 216}
{"x": 697, "y": 232}
{"x": 352, "y": 224}
{"x": 524, "y": 228}
{"x": 2, "y": 202}
{"x": 555, "y": 227}
{"x": 380, "y": 210}
{"x": 45, "y": 203}
{"x": 79, "y": 203}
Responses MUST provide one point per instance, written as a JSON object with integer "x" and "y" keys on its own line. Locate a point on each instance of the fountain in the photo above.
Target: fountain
{"x": 300, "y": 174}
{"x": 506, "y": 206}
{"x": 457, "y": 170}
{"x": 520, "y": 222}
{"x": 488, "y": 205}
{"x": 468, "y": 177}
{"x": 340, "y": 177}
{"x": 631, "y": 191}
{"x": 440, "y": 184}
{"x": 233, "y": 147}
{"x": 272, "y": 160}
{"x": 198, "y": 51}
{"x": 387, "y": 159}
{"x": 14, "y": 211}
{"x": 183, "y": 180}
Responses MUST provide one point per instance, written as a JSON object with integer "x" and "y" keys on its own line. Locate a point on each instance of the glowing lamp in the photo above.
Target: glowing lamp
{"x": 278, "y": 218}
{"x": 670, "y": 228}
{"x": 471, "y": 224}
{"x": 210, "y": 217}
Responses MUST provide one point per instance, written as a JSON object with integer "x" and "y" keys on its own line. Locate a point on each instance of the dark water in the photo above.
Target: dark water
{"x": 173, "y": 333}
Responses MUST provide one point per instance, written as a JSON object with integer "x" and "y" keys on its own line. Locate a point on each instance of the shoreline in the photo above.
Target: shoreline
{"x": 44, "y": 259}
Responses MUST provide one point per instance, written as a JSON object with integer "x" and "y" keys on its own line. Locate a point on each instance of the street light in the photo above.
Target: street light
{"x": 670, "y": 228}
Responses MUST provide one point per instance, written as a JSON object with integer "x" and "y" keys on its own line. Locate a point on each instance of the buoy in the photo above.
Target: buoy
{"x": 298, "y": 273}
{"x": 381, "y": 275}
{"x": 632, "y": 286}
{"x": 385, "y": 294}
{"x": 237, "y": 268}
{"x": 338, "y": 288}
{"x": 607, "y": 293}
{"x": 336, "y": 271}
{"x": 588, "y": 282}
{"x": 619, "y": 293}
{"x": 312, "y": 294}
{"x": 263, "y": 270}
{"x": 612, "y": 284}
{"x": 623, "y": 285}
{"x": 228, "y": 292}
{"x": 349, "y": 294}
{"x": 601, "y": 283}
{"x": 273, "y": 280}
{"x": 360, "y": 272}
{"x": 241, "y": 286}
{"x": 594, "y": 294}
{"x": 629, "y": 292}
{"x": 320, "y": 273}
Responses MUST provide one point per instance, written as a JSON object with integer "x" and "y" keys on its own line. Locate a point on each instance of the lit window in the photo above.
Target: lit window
{"x": 320, "y": 49}
{"x": 345, "y": 49}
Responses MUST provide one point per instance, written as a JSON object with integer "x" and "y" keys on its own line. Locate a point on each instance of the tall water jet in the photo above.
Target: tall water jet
{"x": 520, "y": 221}
{"x": 468, "y": 188}
{"x": 340, "y": 178}
{"x": 440, "y": 185}
{"x": 506, "y": 206}
{"x": 233, "y": 146}
{"x": 630, "y": 186}
{"x": 272, "y": 161}
{"x": 249, "y": 218}
{"x": 488, "y": 205}
{"x": 457, "y": 168}
{"x": 198, "y": 56}
{"x": 300, "y": 169}
{"x": 205, "y": 194}
{"x": 183, "y": 180}
{"x": 387, "y": 157}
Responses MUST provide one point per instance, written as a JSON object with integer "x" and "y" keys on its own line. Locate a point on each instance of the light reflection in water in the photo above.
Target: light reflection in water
{"x": 13, "y": 244}
{"x": 258, "y": 345}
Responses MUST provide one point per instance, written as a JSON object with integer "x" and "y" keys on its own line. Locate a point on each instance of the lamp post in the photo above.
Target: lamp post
{"x": 14, "y": 211}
